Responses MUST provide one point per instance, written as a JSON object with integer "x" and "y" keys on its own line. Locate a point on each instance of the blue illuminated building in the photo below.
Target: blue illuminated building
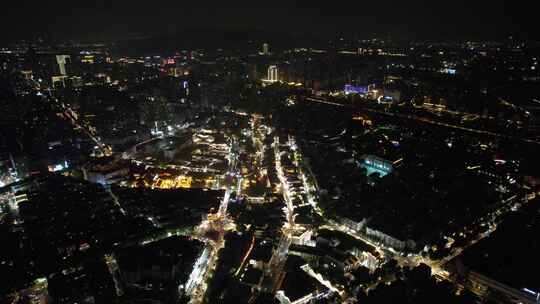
{"x": 374, "y": 164}
{"x": 351, "y": 89}
{"x": 449, "y": 71}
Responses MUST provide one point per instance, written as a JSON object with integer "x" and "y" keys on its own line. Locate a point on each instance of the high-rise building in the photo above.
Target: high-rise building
{"x": 8, "y": 170}
{"x": 61, "y": 60}
{"x": 273, "y": 73}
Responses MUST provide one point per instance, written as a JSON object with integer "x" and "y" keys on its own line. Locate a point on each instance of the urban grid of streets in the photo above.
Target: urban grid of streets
{"x": 422, "y": 86}
{"x": 202, "y": 270}
{"x": 219, "y": 222}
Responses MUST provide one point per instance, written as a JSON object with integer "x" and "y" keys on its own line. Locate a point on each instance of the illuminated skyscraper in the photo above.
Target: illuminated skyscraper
{"x": 273, "y": 73}
{"x": 62, "y": 60}
{"x": 265, "y": 49}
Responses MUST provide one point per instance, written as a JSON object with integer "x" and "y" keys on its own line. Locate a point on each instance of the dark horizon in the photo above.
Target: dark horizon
{"x": 415, "y": 20}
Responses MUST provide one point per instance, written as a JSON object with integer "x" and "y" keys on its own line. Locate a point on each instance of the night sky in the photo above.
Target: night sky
{"x": 412, "y": 19}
